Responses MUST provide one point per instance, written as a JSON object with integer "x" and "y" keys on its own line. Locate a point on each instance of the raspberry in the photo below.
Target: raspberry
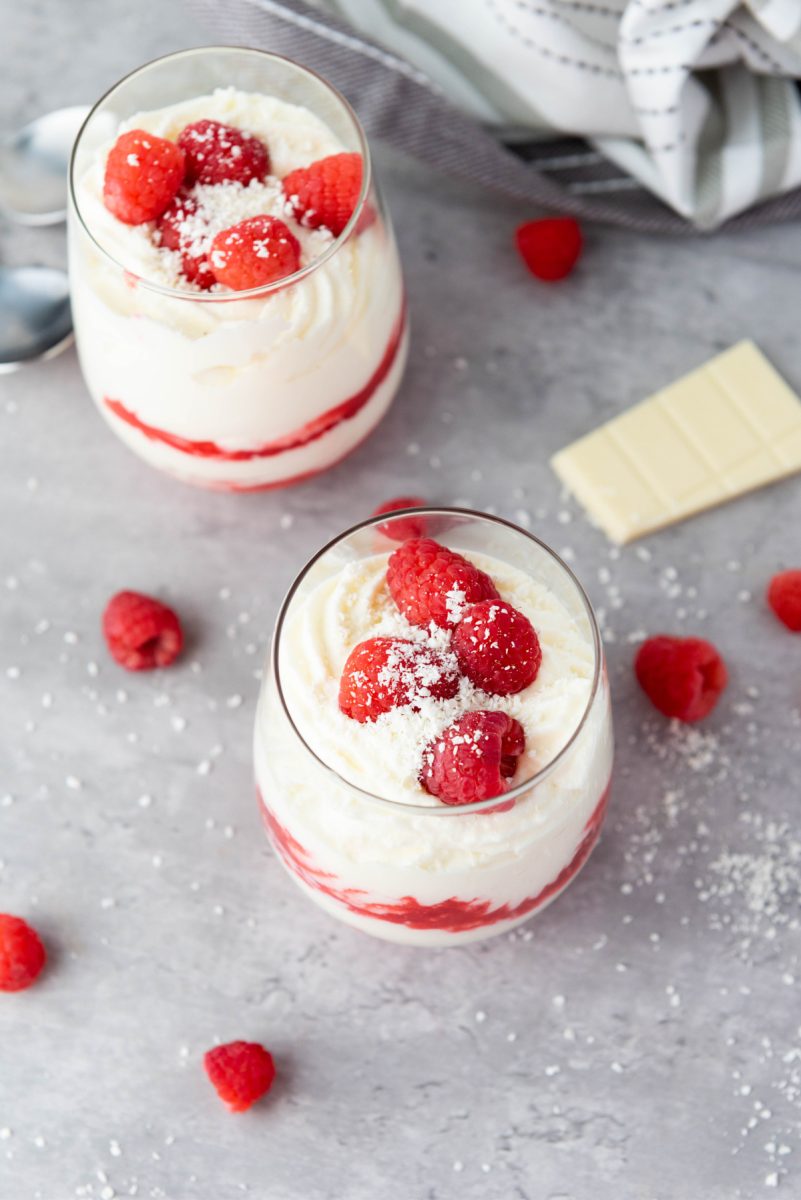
{"x": 784, "y": 597}
{"x": 550, "y": 247}
{"x": 141, "y": 632}
{"x": 473, "y": 758}
{"x": 170, "y": 225}
{"x": 405, "y": 527}
{"x": 497, "y": 648}
{"x": 325, "y": 193}
{"x": 197, "y": 269}
{"x": 384, "y": 673}
{"x": 173, "y": 235}
{"x": 429, "y": 582}
{"x": 254, "y": 253}
{"x": 22, "y": 954}
{"x": 217, "y": 153}
{"x": 241, "y": 1072}
{"x": 682, "y": 677}
{"x": 143, "y": 174}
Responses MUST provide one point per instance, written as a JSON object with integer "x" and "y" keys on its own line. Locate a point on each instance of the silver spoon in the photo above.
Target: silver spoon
{"x": 33, "y": 167}
{"x": 35, "y": 318}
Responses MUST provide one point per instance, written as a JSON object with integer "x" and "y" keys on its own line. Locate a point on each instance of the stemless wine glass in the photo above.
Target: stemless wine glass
{"x": 234, "y": 390}
{"x": 423, "y": 872}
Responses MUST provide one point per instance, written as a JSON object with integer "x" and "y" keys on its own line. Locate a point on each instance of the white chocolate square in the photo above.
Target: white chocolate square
{"x": 729, "y": 427}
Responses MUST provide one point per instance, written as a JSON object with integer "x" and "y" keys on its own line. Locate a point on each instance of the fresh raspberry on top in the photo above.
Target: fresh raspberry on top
{"x": 497, "y": 647}
{"x": 682, "y": 677}
{"x": 429, "y": 582}
{"x": 141, "y": 632}
{"x": 254, "y": 253}
{"x": 143, "y": 174}
{"x": 326, "y": 192}
{"x": 383, "y": 673}
{"x": 473, "y": 758}
{"x": 403, "y": 528}
{"x": 217, "y": 153}
{"x": 174, "y": 228}
{"x": 241, "y": 1072}
{"x": 172, "y": 224}
{"x": 22, "y": 954}
{"x": 550, "y": 247}
{"x": 196, "y": 266}
{"x": 784, "y": 597}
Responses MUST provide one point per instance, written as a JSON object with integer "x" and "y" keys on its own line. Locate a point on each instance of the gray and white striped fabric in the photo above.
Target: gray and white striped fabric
{"x": 659, "y": 115}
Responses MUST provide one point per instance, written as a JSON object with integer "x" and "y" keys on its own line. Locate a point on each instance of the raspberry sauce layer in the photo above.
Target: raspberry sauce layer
{"x": 310, "y": 432}
{"x": 449, "y": 916}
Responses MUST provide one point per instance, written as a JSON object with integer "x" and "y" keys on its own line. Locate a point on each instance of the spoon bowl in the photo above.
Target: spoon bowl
{"x": 35, "y": 317}
{"x": 33, "y": 167}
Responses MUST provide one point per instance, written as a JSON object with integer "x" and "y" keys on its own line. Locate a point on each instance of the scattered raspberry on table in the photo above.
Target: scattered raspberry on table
{"x": 429, "y": 582}
{"x": 254, "y": 253}
{"x": 383, "y": 673}
{"x": 326, "y": 192}
{"x": 473, "y": 758}
{"x": 22, "y": 955}
{"x": 141, "y": 632}
{"x": 241, "y": 1072}
{"x": 682, "y": 677}
{"x": 218, "y": 153}
{"x": 402, "y": 528}
{"x": 550, "y": 247}
{"x": 784, "y": 597}
{"x": 497, "y": 647}
{"x": 143, "y": 175}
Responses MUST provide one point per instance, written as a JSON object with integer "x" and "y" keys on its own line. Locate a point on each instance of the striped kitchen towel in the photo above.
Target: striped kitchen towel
{"x": 659, "y": 115}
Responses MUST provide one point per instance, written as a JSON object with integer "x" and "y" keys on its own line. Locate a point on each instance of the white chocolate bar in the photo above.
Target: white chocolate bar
{"x": 729, "y": 427}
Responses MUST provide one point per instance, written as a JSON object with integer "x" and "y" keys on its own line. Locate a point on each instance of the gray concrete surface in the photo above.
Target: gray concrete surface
{"x": 641, "y": 1040}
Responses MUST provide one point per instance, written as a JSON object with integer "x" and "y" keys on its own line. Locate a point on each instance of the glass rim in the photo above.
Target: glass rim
{"x": 277, "y": 284}
{"x": 439, "y": 810}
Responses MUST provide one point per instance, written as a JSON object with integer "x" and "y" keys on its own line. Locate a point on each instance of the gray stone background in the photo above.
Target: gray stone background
{"x": 641, "y": 1039}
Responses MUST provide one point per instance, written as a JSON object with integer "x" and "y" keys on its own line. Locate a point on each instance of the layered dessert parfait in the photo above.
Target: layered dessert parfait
{"x": 433, "y": 744}
{"x": 236, "y": 291}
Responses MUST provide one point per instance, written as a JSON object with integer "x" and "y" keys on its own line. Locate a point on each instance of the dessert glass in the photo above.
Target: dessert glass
{"x": 237, "y": 390}
{"x": 427, "y": 873}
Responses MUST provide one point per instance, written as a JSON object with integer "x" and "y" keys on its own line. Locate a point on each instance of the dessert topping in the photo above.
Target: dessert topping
{"x": 383, "y": 673}
{"x": 254, "y": 253}
{"x": 218, "y": 153}
{"x": 143, "y": 174}
{"x": 473, "y": 758}
{"x": 429, "y": 582}
{"x": 497, "y": 647}
{"x": 326, "y": 192}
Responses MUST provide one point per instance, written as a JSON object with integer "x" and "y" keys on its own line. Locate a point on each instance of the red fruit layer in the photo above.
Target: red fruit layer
{"x": 452, "y": 915}
{"x": 310, "y": 432}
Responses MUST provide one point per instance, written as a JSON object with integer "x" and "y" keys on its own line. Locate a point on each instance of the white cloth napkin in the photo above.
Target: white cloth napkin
{"x": 696, "y": 99}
